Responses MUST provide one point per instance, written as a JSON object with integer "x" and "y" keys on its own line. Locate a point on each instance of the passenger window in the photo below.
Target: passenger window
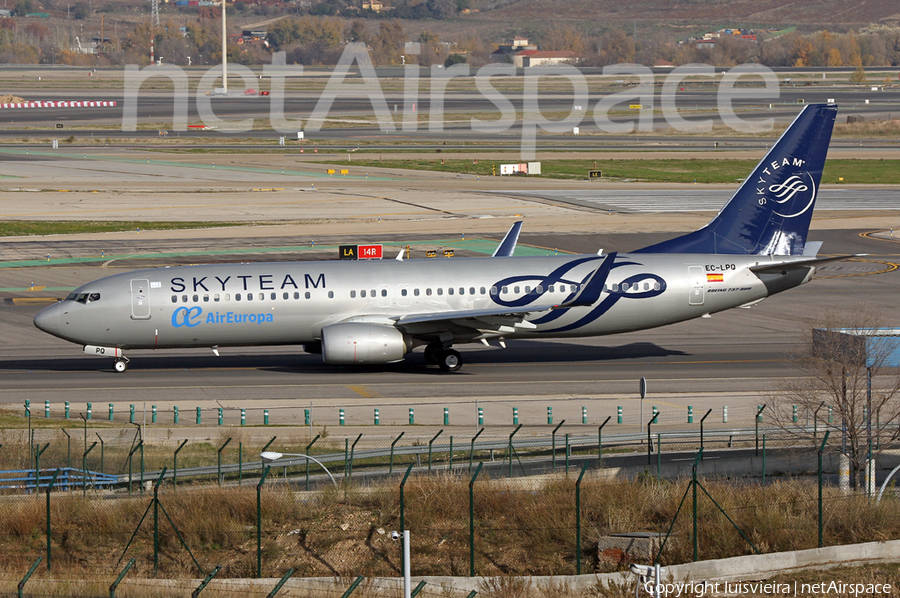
{"x": 613, "y": 287}
{"x": 308, "y": 295}
{"x": 539, "y": 289}
{"x": 262, "y": 297}
{"x": 331, "y": 294}
{"x": 174, "y": 298}
{"x": 655, "y": 286}
{"x": 353, "y": 294}
{"x": 472, "y": 290}
{"x": 482, "y": 290}
{"x": 286, "y": 296}
{"x": 449, "y": 291}
{"x": 195, "y": 298}
{"x": 403, "y": 292}
{"x": 527, "y": 290}
{"x": 362, "y": 293}
{"x": 493, "y": 290}
{"x": 504, "y": 290}
{"x": 428, "y": 292}
{"x": 462, "y": 291}
{"x": 184, "y": 298}
{"x": 384, "y": 292}
{"x": 216, "y": 297}
{"x": 416, "y": 292}
{"x": 296, "y": 294}
{"x": 205, "y": 298}
{"x": 550, "y": 289}
{"x": 646, "y": 286}
{"x": 272, "y": 296}
{"x": 440, "y": 291}
{"x": 227, "y": 297}
{"x": 249, "y": 296}
{"x": 237, "y": 296}
{"x": 625, "y": 286}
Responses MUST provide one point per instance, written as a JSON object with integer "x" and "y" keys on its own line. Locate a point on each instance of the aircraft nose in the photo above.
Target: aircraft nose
{"x": 48, "y": 319}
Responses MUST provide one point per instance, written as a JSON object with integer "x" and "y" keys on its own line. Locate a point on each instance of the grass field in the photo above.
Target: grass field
{"x": 20, "y": 228}
{"x": 885, "y": 172}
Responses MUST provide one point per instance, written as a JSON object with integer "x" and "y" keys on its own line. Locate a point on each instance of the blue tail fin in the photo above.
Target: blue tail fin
{"x": 771, "y": 211}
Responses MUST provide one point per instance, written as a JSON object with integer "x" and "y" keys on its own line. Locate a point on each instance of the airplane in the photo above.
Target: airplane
{"x": 377, "y": 312}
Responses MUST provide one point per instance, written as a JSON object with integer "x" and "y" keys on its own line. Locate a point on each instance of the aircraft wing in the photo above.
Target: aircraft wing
{"x": 498, "y": 319}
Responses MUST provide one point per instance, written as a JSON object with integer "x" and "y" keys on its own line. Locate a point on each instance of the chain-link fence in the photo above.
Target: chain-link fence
{"x": 481, "y": 504}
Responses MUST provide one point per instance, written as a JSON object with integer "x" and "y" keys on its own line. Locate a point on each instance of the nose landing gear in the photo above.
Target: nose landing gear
{"x": 121, "y": 364}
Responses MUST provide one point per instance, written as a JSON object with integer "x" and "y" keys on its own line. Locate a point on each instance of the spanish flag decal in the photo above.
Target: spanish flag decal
{"x": 715, "y": 278}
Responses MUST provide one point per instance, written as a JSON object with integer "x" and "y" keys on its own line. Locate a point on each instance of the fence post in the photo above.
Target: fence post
{"x": 510, "y": 449}
{"x": 690, "y": 414}
{"x": 206, "y": 581}
{"x": 340, "y": 417}
{"x": 377, "y": 422}
{"x": 153, "y": 414}
{"x": 758, "y": 419}
{"x": 84, "y": 468}
{"x": 49, "y": 488}
{"x": 821, "y": 451}
{"x": 703, "y": 419}
{"x": 578, "y": 518}
{"x": 600, "y": 441}
{"x": 115, "y": 584}
{"x": 278, "y": 586}
{"x": 309, "y": 446}
{"x": 549, "y": 416}
{"x": 515, "y": 416}
{"x": 584, "y": 415}
{"x": 472, "y": 447}
{"x": 67, "y": 409}
{"x": 412, "y": 416}
{"x": 175, "y": 414}
{"x": 649, "y": 437}
{"x": 102, "y": 451}
{"x": 219, "y": 461}
{"x": 403, "y": 510}
{"x": 472, "y": 521}
{"x": 431, "y": 442}
{"x": 553, "y": 441}
{"x": 619, "y": 414}
{"x": 262, "y": 480}
{"x": 175, "y": 465}
{"x": 352, "y": 448}
{"x": 446, "y": 416}
{"x": 764, "y": 461}
{"x": 28, "y": 575}
{"x": 393, "y": 443}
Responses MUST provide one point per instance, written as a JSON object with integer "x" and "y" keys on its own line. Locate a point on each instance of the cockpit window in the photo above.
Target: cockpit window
{"x": 71, "y": 296}
{"x": 94, "y": 297}
{"x": 82, "y": 298}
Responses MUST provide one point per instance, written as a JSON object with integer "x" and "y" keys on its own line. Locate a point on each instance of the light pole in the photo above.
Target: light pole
{"x": 269, "y": 457}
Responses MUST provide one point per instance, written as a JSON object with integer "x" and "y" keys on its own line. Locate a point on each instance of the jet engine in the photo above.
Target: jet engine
{"x": 361, "y": 342}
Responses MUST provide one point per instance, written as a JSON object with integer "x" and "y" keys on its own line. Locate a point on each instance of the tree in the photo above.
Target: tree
{"x": 858, "y": 76}
{"x": 454, "y": 59}
{"x": 843, "y": 357}
{"x": 442, "y": 9}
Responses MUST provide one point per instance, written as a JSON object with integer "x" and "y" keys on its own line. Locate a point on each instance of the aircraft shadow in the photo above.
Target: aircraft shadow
{"x": 299, "y": 362}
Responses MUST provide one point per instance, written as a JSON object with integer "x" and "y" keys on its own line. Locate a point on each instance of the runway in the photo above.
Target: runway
{"x": 733, "y": 358}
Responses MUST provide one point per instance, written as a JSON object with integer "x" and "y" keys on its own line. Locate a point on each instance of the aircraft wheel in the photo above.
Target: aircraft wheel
{"x": 121, "y": 365}
{"x": 433, "y": 353}
{"x": 450, "y": 361}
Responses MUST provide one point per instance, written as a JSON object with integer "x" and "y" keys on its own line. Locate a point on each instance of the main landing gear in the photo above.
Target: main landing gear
{"x": 447, "y": 359}
{"x": 121, "y": 364}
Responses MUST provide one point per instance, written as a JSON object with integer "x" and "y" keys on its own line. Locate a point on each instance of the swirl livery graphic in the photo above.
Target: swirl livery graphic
{"x": 186, "y": 316}
{"x": 791, "y": 187}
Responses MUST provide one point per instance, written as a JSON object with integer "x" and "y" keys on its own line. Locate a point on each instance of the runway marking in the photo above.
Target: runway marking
{"x": 363, "y": 391}
{"x": 34, "y": 300}
{"x": 891, "y": 266}
{"x": 868, "y": 235}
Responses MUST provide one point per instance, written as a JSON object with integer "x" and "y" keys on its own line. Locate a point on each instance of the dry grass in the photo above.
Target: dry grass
{"x": 523, "y": 527}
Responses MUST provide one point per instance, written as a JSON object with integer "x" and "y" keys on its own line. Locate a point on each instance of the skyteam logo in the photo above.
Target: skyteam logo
{"x": 190, "y": 317}
{"x": 784, "y": 193}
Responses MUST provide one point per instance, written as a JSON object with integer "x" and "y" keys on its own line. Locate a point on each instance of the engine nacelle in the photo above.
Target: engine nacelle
{"x": 361, "y": 342}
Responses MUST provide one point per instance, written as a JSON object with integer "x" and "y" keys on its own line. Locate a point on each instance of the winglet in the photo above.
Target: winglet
{"x": 508, "y": 245}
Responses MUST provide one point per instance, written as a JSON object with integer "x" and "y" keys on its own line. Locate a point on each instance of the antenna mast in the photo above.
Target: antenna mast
{"x": 154, "y": 12}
